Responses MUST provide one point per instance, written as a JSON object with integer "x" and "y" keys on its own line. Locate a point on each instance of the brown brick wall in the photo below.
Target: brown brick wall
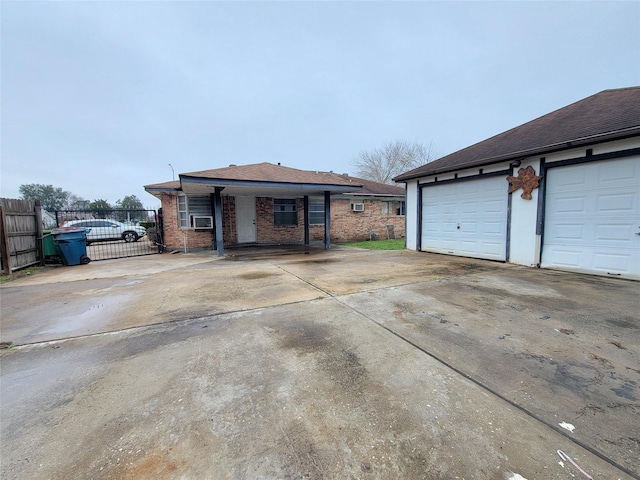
{"x": 270, "y": 233}
{"x": 345, "y": 224}
{"x": 349, "y": 226}
{"x": 175, "y": 237}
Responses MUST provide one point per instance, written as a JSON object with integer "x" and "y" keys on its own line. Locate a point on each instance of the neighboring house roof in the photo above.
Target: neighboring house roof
{"x": 275, "y": 179}
{"x": 268, "y": 172}
{"x": 608, "y": 115}
{"x": 166, "y": 187}
{"x": 374, "y": 188}
{"x": 267, "y": 178}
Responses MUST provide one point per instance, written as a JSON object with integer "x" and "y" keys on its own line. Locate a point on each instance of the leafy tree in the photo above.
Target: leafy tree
{"x": 130, "y": 202}
{"x": 102, "y": 207}
{"x": 74, "y": 202}
{"x": 133, "y": 205}
{"x": 52, "y": 198}
{"x": 393, "y": 158}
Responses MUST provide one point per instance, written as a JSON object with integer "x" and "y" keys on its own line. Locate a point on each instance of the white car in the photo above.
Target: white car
{"x": 104, "y": 230}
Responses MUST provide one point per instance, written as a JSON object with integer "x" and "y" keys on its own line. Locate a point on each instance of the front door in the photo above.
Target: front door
{"x": 246, "y": 219}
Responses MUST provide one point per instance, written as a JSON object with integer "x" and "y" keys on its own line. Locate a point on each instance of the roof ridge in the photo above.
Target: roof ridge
{"x": 608, "y": 114}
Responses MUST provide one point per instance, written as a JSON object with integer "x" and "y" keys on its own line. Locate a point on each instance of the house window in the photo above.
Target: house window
{"x": 393, "y": 208}
{"x": 183, "y": 216}
{"x": 316, "y": 213}
{"x": 285, "y": 211}
{"x": 189, "y": 206}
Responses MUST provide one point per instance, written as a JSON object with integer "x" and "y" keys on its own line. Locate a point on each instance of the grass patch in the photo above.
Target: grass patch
{"x": 397, "y": 244}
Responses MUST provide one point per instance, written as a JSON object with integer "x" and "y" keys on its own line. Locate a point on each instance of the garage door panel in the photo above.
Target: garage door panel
{"x": 493, "y": 228}
{"x": 611, "y": 261}
{"x": 469, "y": 208}
{"x": 592, "y": 226}
{"x": 495, "y": 207}
{"x": 493, "y": 249}
{"x": 569, "y": 205}
{"x": 570, "y": 232}
{"x": 569, "y": 179}
{"x": 469, "y": 227}
{"x": 475, "y": 222}
{"x": 615, "y": 202}
{"x": 468, "y": 246}
{"x": 565, "y": 257}
{"x": 621, "y": 234}
{"x": 449, "y": 227}
{"x": 622, "y": 175}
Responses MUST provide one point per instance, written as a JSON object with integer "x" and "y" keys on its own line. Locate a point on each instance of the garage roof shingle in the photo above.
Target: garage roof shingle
{"x": 609, "y": 114}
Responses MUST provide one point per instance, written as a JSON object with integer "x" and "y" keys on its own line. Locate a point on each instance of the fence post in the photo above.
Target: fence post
{"x": 4, "y": 243}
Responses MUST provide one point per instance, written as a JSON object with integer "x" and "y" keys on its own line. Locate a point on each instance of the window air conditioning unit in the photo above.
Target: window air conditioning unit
{"x": 357, "y": 207}
{"x": 202, "y": 222}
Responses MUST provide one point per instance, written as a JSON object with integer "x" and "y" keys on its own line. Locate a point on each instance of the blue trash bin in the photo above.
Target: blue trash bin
{"x": 71, "y": 244}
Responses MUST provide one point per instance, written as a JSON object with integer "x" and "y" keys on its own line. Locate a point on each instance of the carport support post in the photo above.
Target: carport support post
{"x": 327, "y": 220}
{"x": 217, "y": 203}
{"x": 306, "y": 220}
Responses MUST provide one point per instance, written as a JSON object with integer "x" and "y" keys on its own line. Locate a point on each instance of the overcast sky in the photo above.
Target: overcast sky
{"x": 98, "y": 98}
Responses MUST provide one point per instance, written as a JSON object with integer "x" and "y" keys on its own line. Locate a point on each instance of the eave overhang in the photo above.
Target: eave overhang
{"x": 201, "y": 186}
{"x": 521, "y": 155}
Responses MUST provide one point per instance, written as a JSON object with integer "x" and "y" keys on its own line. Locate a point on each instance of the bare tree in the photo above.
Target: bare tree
{"x": 393, "y": 158}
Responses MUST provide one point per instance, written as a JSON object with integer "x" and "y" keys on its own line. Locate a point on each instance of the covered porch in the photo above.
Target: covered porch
{"x": 260, "y": 204}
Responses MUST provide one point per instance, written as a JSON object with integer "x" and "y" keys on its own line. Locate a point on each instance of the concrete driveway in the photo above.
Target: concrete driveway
{"x": 281, "y": 363}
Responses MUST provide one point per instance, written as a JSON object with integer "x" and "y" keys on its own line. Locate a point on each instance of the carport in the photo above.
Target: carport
{"x": 257, "y": 194}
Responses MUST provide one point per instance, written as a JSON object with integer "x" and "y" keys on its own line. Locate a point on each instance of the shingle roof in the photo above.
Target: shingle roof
{"x": 606, "y": 115}
{"x": 374, "y": 188}
{"x": 173, "y": 185}
{"x": 268, "y": 172}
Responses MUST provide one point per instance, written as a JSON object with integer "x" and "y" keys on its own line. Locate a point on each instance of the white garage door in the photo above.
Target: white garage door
{"x": 592, "y": 218}
{"x": 466, "y": 218}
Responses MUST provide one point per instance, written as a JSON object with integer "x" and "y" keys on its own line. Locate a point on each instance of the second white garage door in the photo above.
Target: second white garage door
{"x": 592, "y": 218}
{"x": 466, "y": 218}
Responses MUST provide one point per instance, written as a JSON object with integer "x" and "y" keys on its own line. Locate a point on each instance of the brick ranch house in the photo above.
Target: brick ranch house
{"x": 266, "y": 204}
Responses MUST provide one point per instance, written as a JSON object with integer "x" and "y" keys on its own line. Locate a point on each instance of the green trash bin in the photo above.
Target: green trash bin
{"x": 71, "y": 245}
{"x": 48, "y": 245}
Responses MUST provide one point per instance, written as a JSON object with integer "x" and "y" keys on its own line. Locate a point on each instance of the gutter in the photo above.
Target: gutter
{"x": 557, "y": 147}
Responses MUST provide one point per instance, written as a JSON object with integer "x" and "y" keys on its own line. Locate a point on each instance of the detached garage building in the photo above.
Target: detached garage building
{"x": 561, "y": 191}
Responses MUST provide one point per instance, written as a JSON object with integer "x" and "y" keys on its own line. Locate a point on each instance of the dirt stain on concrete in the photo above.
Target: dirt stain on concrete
{"x": 304, "y": 337}
{"x": 318, "y": 261}
{"x": 151, "y": 466}
{"x": 255, "y": 275}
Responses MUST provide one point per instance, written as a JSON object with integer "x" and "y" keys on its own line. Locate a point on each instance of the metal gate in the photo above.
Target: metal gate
{"x": 115, "y": 233}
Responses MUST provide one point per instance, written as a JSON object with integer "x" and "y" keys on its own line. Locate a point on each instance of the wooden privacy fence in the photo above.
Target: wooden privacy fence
{"x": 20, "y": 233}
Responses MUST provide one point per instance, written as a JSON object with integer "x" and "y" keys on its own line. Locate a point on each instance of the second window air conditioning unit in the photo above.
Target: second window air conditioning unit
{"x": 357, "y": 207}
{"x": 202, "y": 222}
